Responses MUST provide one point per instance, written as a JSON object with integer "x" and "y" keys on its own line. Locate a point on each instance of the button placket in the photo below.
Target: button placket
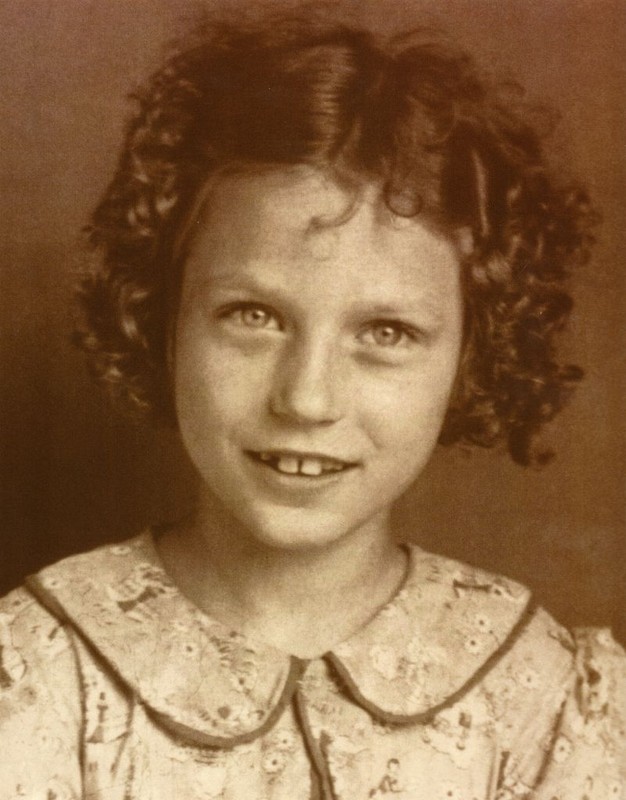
{"x": 321, "y": 781}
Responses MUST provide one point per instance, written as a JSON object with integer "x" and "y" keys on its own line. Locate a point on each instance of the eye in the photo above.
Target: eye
{"x": 250, "y": 315}
{"x": 388, "y": 334}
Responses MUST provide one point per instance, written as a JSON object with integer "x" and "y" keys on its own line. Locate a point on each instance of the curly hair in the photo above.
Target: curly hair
{"x": 411, "y": 113}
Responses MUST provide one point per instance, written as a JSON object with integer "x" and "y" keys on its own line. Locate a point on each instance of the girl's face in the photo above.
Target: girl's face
{"x": 316, "y": 348}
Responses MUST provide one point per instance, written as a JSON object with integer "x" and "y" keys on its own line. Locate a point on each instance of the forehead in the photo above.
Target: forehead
{"x": 301, "y": 220}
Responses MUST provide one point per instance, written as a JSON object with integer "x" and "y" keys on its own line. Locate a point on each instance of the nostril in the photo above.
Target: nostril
{"x": 305, "y": 408}
{"x": 306, "y": 392}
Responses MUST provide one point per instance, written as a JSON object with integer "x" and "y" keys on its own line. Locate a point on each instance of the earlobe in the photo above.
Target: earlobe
{"x": 464, "y": 241}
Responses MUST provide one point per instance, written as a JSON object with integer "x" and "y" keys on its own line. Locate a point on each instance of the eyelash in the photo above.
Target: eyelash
{"x": 404, "y": 333}
{"x": 238, "y": 310}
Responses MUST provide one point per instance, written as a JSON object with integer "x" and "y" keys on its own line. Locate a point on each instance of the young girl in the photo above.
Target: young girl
{"x": 320, "y": 255}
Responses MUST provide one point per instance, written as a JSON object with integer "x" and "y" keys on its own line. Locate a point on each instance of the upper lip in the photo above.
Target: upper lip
{"x": 301, "y": 455}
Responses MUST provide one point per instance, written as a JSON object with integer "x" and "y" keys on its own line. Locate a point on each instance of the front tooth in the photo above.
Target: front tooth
{"x": 311, "y": 466}
{"x": 287, "y": 464}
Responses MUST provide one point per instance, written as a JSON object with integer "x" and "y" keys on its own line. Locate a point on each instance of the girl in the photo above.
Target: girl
{"x": 320, "y": 255}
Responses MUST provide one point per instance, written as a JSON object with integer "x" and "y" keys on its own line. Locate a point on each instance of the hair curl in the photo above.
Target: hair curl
{"x": 411, "y": 113}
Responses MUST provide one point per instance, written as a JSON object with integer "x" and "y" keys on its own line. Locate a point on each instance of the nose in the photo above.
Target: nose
{"x": 308, "y": 386}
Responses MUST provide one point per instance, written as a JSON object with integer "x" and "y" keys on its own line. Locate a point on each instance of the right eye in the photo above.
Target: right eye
{"x": 250, "y": 315}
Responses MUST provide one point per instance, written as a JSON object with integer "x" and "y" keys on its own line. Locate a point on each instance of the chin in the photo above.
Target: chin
{"x": 296, "y": 529}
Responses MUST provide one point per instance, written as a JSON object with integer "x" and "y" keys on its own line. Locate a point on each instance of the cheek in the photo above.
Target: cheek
{"x": 205, "y": 413}
{"x": 404, "y": 432}
{"x": 212, "y": 388}
{"x": 405, "y": 435}
{"x": 409, "y": 409}
{"x": 409, "y": 423}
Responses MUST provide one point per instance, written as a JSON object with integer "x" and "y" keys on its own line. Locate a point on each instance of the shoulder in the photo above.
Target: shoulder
{"x": 40, "y": 701}
{"x": 38, "y": 639}
{"x": 556, "y": 697}
{"x": 46, "y": 673}
{"x": 600, "y": 691}
{"x": 585, "y": 752}
{"x": 588, "y": 651}
{"x": 452, "y": 631}
{"x": 598, "y": 655}
{"x": 32, "y": 640}
{"x": 475, "y": 615}
{"x": 99, "y": 565}
{"x": 490, "y": 620}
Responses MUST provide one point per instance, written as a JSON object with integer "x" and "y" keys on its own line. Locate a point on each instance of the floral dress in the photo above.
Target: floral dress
{"x": 113, "y": 686}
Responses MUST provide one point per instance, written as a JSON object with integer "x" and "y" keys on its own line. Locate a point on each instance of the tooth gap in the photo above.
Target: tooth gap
{"x": 304, "y": 466}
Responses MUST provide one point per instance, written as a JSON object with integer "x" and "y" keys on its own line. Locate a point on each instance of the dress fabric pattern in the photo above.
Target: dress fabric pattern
{"x": 113, "y": 686}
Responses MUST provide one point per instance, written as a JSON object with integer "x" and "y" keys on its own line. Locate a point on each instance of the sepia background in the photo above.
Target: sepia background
{"x": 73, "y": 474}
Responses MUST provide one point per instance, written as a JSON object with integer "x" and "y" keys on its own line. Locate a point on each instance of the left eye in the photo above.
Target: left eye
{"x": 387, "y": 334}
{"x": 254, "y": 317}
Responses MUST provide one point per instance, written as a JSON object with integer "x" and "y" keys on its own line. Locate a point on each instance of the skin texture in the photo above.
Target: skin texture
{"x": 311, "y": 322}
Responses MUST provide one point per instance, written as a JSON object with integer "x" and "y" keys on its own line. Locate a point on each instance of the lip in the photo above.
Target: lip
{"x": 333, "y": 468}
{"x": 287, "y": 452}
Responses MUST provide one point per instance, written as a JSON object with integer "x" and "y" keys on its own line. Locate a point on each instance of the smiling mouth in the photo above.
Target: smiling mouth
{"x": 310, "y": 466}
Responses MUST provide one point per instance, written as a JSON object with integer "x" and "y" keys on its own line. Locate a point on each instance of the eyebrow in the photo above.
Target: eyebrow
{"x": 382, "y": 309}
{"x": 426, "y": 301}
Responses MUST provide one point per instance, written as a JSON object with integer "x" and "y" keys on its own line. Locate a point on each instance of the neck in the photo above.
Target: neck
{"x": 302, "y": 601}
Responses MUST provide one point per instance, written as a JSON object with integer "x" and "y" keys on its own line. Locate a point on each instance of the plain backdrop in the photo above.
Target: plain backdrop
{"x": 74, "y": 475}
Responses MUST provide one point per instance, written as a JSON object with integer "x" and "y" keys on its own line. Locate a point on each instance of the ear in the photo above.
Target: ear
{"x": 464, "y": 240}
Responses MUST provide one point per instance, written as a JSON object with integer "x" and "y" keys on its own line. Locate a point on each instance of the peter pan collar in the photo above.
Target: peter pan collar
{"x": 429, "y": 645}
